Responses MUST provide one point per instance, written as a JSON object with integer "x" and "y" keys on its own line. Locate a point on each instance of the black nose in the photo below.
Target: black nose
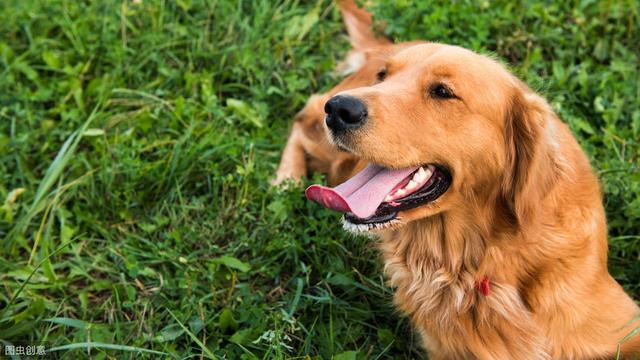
{"x": 345, "y": 112}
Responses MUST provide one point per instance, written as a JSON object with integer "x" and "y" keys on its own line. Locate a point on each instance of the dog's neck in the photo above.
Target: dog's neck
{"x": 438, "y": 257}
{"x": 444, "y": 258}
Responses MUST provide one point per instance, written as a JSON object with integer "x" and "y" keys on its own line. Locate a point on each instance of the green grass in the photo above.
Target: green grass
{"x": 137, "y": 141}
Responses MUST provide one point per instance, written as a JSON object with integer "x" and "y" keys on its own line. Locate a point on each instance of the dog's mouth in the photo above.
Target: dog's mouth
{"x": 373, "y": 198}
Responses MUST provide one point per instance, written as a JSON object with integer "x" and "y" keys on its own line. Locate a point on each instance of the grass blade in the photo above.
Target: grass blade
{"x": 99, "y": 345}
{"x": 22, "y": 286}
{"x": 66, "y": 152}
{"x": 203, "y": 347}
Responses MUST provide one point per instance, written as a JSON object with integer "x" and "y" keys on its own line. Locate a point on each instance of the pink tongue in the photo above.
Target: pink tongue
{"x": 363, "y": 193}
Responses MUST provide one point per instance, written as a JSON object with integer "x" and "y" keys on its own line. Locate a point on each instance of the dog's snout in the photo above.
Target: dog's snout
{"x": 345, "y": 112}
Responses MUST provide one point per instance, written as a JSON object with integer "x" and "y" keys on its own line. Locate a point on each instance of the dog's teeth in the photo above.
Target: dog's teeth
{"x": 428, "y": 172}
{"x": 419, "y": 178}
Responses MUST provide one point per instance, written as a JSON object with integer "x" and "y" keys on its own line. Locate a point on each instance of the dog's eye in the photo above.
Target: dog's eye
{"x": 381, "y": 75}
{"x": 441, "y": 91}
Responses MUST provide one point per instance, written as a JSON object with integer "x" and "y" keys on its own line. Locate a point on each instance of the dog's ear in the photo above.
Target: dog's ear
{"x": 359, "y": 25}
{"x": 362, "y": 36}
{"x": 530, "y": 169}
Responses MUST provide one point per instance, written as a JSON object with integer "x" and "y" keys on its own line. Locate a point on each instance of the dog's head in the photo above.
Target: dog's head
{"x": 445, "y": 128}
{"x": 323, "y": 155}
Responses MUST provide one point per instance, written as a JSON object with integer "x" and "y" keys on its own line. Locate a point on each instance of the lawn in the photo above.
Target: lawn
{"x": 138, "y": 138}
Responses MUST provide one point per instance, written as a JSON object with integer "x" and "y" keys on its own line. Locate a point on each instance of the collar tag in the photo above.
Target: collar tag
{"x": 483, "y": 286}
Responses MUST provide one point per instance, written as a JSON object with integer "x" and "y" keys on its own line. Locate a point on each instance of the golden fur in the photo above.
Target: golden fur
{"x": 524, "y": 209}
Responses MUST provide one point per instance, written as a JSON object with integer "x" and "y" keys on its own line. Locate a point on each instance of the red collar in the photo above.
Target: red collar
{"x": 483, "y": 286}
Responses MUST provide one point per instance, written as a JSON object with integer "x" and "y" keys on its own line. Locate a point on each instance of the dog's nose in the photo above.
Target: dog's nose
{"x": 345, "y": 112}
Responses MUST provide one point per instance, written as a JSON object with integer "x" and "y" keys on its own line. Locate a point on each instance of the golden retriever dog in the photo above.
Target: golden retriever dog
{"x": 489, "y": 216}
